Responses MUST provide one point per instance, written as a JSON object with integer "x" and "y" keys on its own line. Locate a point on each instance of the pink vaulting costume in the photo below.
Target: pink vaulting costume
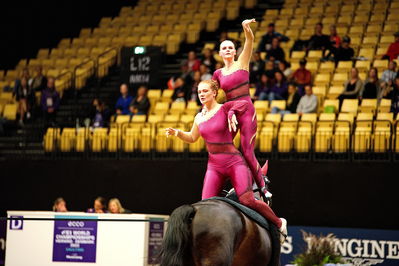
{"x": 236, "y": 87}
{"x": 225, "y": 161}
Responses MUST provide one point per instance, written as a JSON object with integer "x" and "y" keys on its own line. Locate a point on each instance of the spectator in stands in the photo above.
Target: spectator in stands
{"x": 192, "y": 62}
{"x": 302, "y": 77}
{"x": 39, "y": 81}
{"x": 265, "y": 43}
{"x": 280, "y": 89}
{"x": 50, "y": 102}
{"x": 335, "y": 40}
{"x": 393, "y": 94}
{"x": 194, "y": 87}
{"x": 308, "y": 102}
{"x": 102, "y": 114}
{"x": 204, "y": 70}
{"x": 292, "y": 101}
{"x": 181, "y": 90}
{"x": 23, "y": 94}
{"x": 344, "y": 52}
{"x": 393, "y": 49}
{"x": 100, "y": 206}
{"x": 319, "y": 41}
{"x": 208, "y": 59}
{"x": 140, "y": 104}
{"x": 389, "y": 75}
{"x": 275, "y": 53}
{"x": 263, "y": 88}
{"x": 185, "y": 73}
{"x": 123, "y": 102}
{"x": 270, "y": 69}
{"x": 352, "y": 87}
{"x": 372, "y": 86}
{"x": 115, "y": 206}
{"x": 60, "y": 205}
{"x": 284, "y": 67}
{"x": 256, "y": 68}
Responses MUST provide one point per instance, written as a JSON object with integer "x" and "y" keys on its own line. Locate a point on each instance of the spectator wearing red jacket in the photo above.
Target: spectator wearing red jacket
{"x": 393, "y": 49}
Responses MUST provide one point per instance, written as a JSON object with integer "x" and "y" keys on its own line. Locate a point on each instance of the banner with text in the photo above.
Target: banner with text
{"x": 356, "y": 246}
{"x": 75, "y": 241}
{"x": 3, "y": 231}
{"x": 155, "y": 240}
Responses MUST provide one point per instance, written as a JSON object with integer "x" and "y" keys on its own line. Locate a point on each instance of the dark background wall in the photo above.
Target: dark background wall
{"x": 306, "y": 193}
{"x": 26, "y": 26}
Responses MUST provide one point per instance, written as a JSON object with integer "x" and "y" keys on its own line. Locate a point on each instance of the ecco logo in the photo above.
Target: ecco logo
{"x": 76, "y": 224}
{"x": 16, "y": 223}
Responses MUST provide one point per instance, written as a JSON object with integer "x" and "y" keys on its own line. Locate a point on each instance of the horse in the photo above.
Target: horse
{"x": 214, "y": 233}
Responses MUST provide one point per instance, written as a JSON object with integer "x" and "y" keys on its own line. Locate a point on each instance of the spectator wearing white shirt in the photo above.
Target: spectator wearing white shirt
{"x": 308, "y": 102}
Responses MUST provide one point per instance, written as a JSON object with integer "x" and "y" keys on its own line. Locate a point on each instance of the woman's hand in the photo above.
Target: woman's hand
{"x": 245, "y": 24}
{"x": 232, "y": 123}
{"x": 170, "y": 132}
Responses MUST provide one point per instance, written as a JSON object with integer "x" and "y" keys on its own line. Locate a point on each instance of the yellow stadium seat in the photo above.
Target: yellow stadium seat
{"x": 296, "y": 56}
{"x": 10, "y": 111}
{"x": 322, "y": 79}
{"x": 384, "y": 106}
{"x": 280, "y": 104}
{"x": 177, "y": 107}
{"x": 335, "y": 91}
{"x": 342, "y": 132}
{"x": 287, "y": 133}
{"x": 50, "y": 139}
{"x": 362, "y": 135}
{"x": 161, "y": 108}
{"x": 99, "y": 139}
{"x": 122, "y": 119}
{"x": 350, "y": 106}
{"x": 339, "y": 78}
{"x": 67, "y": 140}
{"x": 324, "y": 132}
{"x": 327, "y": 67}
{"x": 363, "y": 65}
{"x": 381, "y": 65}
{"x": 344, "y": 66}
{"x": 367, "y": 53}
{"x": 368, "y": 106}
{"x": 382, "y": 132}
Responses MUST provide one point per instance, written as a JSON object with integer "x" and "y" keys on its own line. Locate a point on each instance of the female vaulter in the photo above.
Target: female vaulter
{"x": 233, "y": 78}
{"x": 217, "y": 124}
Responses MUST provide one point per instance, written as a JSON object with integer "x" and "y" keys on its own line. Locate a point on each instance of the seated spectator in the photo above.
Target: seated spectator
{"x": 100, "y": 206}
{"x": 335, "y": 40}
{"x": 192, "y": 62}
{"x": 276, "y": 53}
{"x": 123, "y": 102}
{"x": 115, "y": 206}
{"x": 270, "y": 69}
{"x": 208, "y": 59}
{"x": 292, "y": 101}
{"x": 284, "y": 67}
{"x": 39, "y": 81}
{"x": 140, "y": 104}
{"x": 205, "y": 75}
{"x": 344, "y": 52}
{"x": 352, "y": 87}
{"x": 265, "y": 43}
{"x": 181, "y": 89}
{"x": 280, "y": 89}
{"x": 393, "y": 94}
{"x": 25, "y": 96}
{"x": 263, "y": 88}
{"x": 302, "y": 77}
{"x": 60, "y": 205}
{"x": 308, "y": 103}
{"x": 389, "y": 75}
{"x": 393, "y": 49}
{"x": 256, "y": 68}
{"x": 194, "y": 87}
{"x": 319, "y": 41}
{"x": 372, "y": 85}
{"x": 102, "y": 114}
{"x": 50, "y": 102}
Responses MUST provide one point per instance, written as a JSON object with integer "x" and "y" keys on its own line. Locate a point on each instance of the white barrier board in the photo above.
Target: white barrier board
{"x": 103, "y": 243}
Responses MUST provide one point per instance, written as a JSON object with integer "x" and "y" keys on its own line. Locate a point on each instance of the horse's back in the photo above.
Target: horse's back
{"x": 222, "y": 235}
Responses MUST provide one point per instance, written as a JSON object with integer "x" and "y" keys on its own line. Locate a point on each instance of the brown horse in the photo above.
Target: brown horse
{"x": 214, "y": 233}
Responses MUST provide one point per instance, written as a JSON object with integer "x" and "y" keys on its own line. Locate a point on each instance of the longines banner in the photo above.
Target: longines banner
{"x": 141, "y": 65}
{"x": 356, "y": 246}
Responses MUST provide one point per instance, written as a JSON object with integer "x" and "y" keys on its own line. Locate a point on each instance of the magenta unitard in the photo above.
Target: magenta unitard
{"x": 236, "y": 87}
{"x": 226, "y": 162}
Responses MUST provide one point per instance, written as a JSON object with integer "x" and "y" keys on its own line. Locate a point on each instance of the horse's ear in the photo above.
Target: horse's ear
{"x": 265, "y": 168}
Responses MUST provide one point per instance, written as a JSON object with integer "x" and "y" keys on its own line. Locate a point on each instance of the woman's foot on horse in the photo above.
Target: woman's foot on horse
{"x": 283, "y": 230}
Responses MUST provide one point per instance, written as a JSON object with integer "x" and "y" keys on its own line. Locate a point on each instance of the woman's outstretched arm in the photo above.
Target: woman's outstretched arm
{"x": 246, "y": 54}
